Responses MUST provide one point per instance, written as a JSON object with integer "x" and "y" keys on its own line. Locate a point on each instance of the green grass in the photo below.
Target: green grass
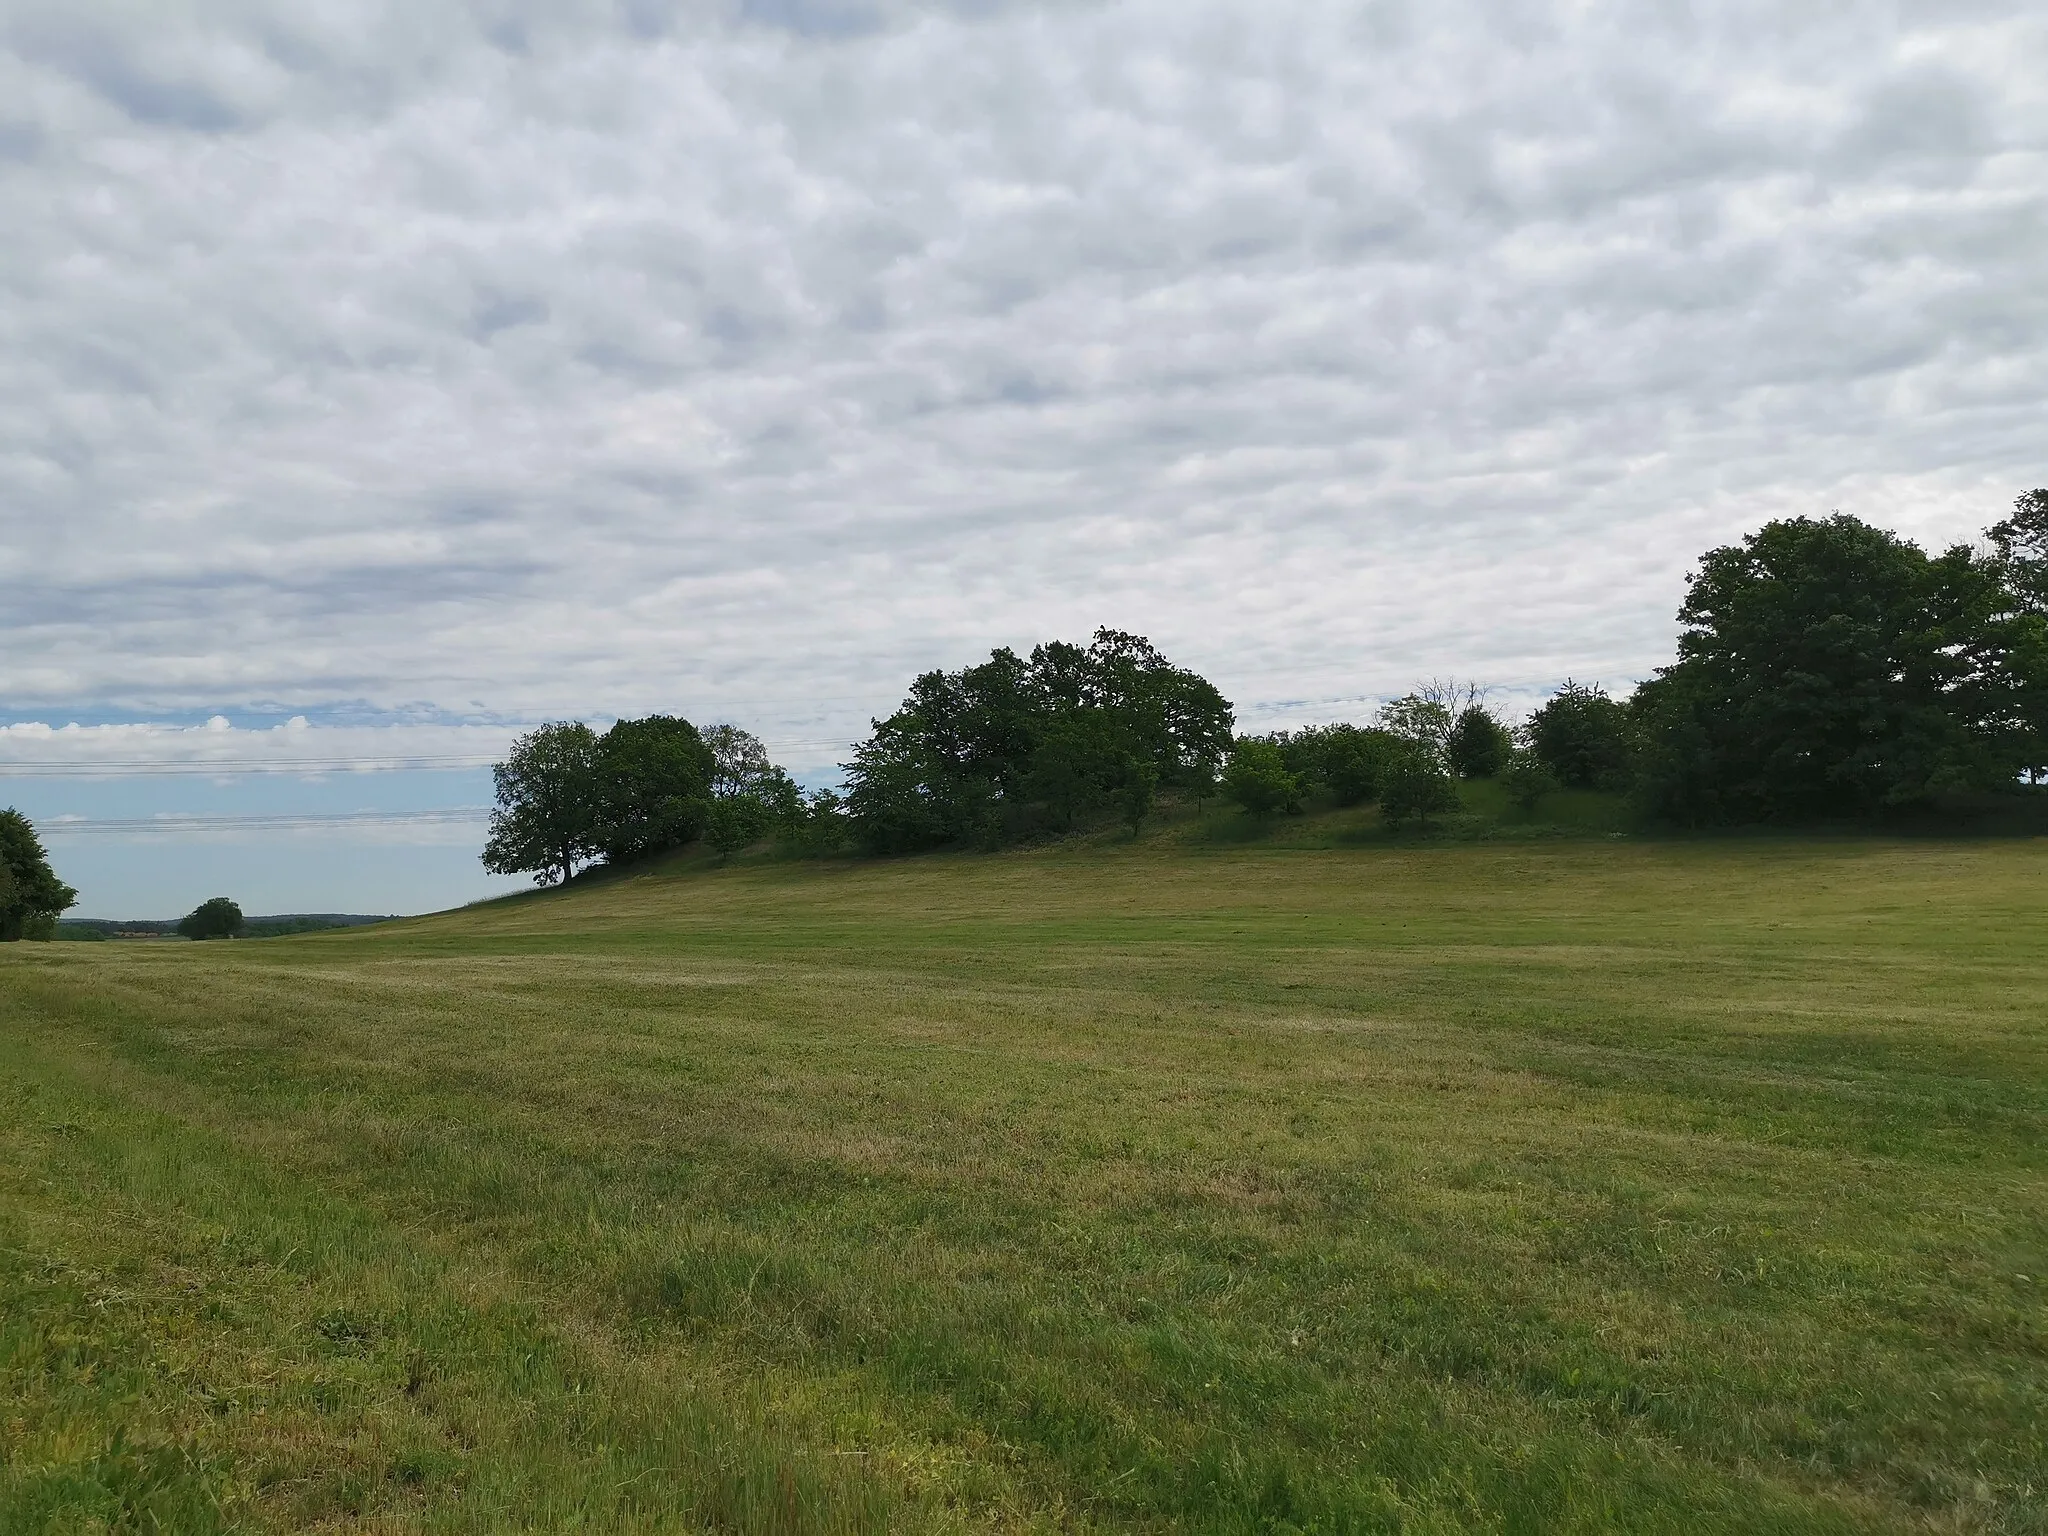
{"x": 1496, "y": 1185}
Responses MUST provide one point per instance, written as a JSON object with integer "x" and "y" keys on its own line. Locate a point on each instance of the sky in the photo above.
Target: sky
{"x": 379, "y": 380}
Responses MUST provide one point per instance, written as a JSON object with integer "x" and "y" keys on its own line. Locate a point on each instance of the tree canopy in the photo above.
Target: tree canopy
{"x": 651, "y": 783}
{"x": 31, "y": 895}
{"x": 550, "y": 807}
{"x": 1829, "y": 668}
{"x": 1582, "y": 736}
{"x": 568, "y": 796}
{"x": 1825, "y": 668}
{"x": 1016, "y": 746}
{"x": 1478, "y": 745}
{"x": 215, "y": 918}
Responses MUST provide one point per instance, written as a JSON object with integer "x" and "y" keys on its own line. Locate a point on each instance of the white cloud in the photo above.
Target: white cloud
{"x": 538, "y": 360}
{"x": 219, "y": 748}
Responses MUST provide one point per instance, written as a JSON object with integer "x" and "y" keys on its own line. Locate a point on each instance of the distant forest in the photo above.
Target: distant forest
{"x": 1826, "y": 670}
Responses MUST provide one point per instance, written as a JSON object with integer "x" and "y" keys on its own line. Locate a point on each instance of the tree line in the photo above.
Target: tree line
{"x": 1825, "y": 669}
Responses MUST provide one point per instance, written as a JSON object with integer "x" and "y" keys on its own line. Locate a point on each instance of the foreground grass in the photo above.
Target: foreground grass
{"x": 1513, "y": 1187}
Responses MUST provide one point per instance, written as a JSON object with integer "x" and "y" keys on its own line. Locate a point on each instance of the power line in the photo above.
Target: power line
{"x": 125, "y": 826}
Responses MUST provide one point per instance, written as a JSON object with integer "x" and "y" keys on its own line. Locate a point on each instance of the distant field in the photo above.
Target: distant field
{"x": 1494, "y": 1186}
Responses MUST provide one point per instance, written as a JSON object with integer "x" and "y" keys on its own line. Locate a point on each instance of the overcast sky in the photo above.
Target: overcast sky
{"x": 425, "y": 369}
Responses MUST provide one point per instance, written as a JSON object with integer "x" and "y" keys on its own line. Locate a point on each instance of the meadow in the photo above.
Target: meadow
{"x": 1506, "y": 1186}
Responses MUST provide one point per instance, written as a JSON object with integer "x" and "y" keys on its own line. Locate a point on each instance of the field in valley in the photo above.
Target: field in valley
{"x": 1520, "y": 1187}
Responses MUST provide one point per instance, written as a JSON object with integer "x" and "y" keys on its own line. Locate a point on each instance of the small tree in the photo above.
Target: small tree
{"x": 1355, "y": 761}
{"x": 1416, "y": 784}
{"x": 1425, "y": 721}
{"x": 816, "y": 824}
{"x": 1479, "y": 744}
{"x": 1527, "y": 779}
{"x": 739, "y": 760}
{"x": 1257, "y": 778}
{"x": 736, "y": 822}
{"x": 1583, "y": 735}
{"x": 215, "y": 918}
{"x": 31, "y": 895}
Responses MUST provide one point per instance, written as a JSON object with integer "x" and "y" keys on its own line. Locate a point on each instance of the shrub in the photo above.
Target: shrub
{"x": 1527, "y": 779}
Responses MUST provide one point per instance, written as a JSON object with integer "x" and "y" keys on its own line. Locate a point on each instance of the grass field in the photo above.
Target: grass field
{"x": 1499, "y": 1186}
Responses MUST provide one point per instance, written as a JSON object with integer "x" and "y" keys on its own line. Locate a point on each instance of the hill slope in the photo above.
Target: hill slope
{"x": 1571, "y": 1186}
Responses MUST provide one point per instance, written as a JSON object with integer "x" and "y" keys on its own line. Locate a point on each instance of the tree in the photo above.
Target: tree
{"x": 1583, "y": 735}
{"x": 818, "y": 824}
{"x": 215, "y": 918}
{"x": 738, "y": 759}
{"x": 1135, "y": 794}
{"x": 1415, "y": 784}
{"x": 1257, "y": 778}
{"x": 548, "y": 812}
{"x": 2021, "y": 546}
{"x": 1829, "y": 668}
{"x": 1082, "y": 759}
{"x": 904, "y": 793}
{"x": 1479, "y": 744}
{"x": 736, "y": 822}
{"x": 1426, "y": 722}
{"x": 2020, "y": 554}
{"x": 31, "y": 895}
{"x": 1174, "y": 717}
{"x": 1356, "y": 760}
{"x": 1018, "y": 746}
{"x": 1527, "y": 779}
{"x": 653, "y": 781}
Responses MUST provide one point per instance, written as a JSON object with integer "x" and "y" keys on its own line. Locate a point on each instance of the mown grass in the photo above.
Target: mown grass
{"x": 1518, "y": 1186}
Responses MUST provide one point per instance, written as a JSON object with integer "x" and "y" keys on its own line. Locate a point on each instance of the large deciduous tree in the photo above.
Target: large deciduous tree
{"x": 1828, "y": 668}
{"x": 2020, "y": 551}
{"x": 31, "y": 895}
{"x": 218, "y": 917}
{"x": 1049, "y": 742}
{"x": 653, "y": 780}
{"x": 548, "y": 814}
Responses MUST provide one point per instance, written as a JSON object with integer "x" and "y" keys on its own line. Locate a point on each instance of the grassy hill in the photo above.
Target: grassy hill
{"x": 1501, "y": 1185}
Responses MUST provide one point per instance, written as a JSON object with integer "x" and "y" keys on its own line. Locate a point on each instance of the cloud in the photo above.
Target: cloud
{"x": 217, "y": 746}
{"x": 533, "y": 360}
